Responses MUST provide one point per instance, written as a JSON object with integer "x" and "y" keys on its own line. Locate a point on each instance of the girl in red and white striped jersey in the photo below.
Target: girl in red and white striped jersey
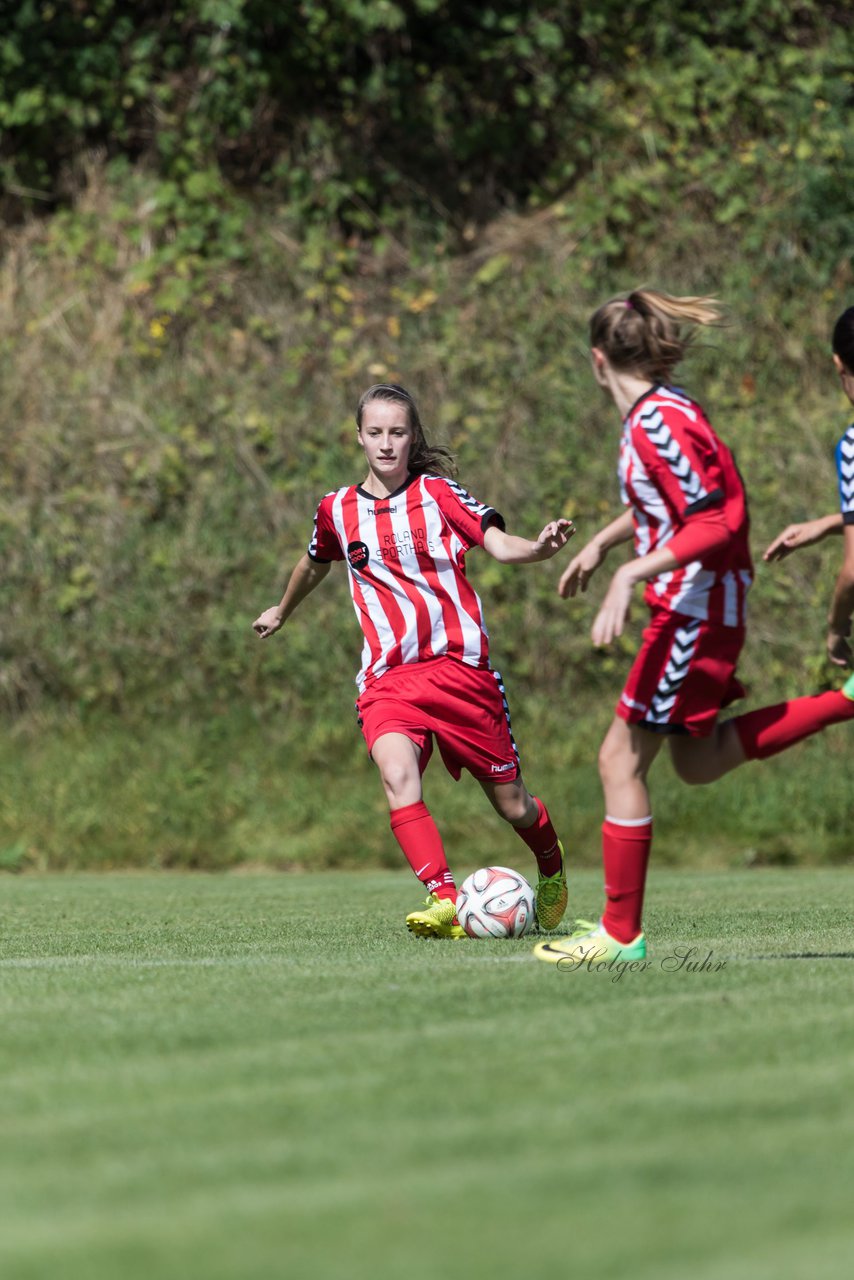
{"x": 687, "y": 514}
{"x": 425, "y": 675}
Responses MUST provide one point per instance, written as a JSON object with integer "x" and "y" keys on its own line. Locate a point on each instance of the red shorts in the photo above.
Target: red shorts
{"x": 683, "y": 675}
{"x": 462, "y": 707}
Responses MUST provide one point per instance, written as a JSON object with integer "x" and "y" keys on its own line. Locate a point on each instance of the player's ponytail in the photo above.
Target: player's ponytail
{"x": 424, "y": 458}
{"x": 843, "y": 339}
{"x": 647, "y": 332}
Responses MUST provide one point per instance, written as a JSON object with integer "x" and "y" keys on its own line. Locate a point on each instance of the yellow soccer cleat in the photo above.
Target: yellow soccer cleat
{"x": 550, "y": 897}
{"x": 437, "y": 919}
{"x": 589, "y": 945}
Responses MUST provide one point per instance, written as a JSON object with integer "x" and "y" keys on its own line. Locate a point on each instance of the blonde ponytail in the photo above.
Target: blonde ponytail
{"x": 648, "y": 332}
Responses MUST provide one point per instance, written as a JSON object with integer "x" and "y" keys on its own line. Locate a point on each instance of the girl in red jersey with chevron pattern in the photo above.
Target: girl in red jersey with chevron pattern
{"x": 687, "y": 514}
{"x": 425, "y": 675}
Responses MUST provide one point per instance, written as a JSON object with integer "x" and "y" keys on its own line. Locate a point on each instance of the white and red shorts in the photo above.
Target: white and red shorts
{"x": 463, "y": 708}
{"x": 683, "y": 675}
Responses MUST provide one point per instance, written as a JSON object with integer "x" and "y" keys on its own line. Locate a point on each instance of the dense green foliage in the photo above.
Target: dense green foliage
{"x": 237, "y": 1076}
{"x": 254, "y": 210}
{"x": 365, "y": 109}
{"x": 469, "y": 103}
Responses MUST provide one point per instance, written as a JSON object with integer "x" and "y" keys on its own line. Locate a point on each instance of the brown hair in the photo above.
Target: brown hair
{"x": 648, "y": 332}
{"x": 843, "y": 339}
{"x": 424, "y": 458}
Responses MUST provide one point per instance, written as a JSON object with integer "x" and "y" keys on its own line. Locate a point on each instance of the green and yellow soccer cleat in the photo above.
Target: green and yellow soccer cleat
{"x": 437, "y": 919}
{"x": 550, "y": 896}
{"x": 848, "y": 688}
{"x": 588, "y": 946}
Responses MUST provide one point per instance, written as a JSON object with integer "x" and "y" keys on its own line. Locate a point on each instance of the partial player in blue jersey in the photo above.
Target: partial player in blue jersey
{"x": 841, "y": 521}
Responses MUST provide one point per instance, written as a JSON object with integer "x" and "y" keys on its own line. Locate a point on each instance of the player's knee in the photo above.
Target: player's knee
{"x": 615, "y": 764}
{"x": 398, "y": 777}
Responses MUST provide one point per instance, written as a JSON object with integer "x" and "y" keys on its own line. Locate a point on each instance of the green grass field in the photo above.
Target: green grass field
{"x": 258, "y": 1076}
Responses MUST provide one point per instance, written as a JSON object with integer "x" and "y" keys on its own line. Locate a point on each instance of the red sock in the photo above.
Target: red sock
{"x": 541, "y": 839}
{"x": 771, "y": 729}
{"x": 625, "y": 853}
{"x": 418, "y": 836}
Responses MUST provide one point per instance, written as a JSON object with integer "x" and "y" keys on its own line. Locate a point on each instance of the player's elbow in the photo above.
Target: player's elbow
{"x": 497, "y": 544}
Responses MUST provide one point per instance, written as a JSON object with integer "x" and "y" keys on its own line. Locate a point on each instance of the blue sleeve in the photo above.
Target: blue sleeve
{"x": 845, "y": 473}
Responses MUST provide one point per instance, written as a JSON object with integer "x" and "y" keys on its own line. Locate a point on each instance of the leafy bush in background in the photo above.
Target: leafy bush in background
{"x": 362, "y": 109}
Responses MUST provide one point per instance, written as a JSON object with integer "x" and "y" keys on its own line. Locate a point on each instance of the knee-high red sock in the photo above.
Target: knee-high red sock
{"x": 541, "y": 839}
{"x": 625, "y": 853}
{"x": 771, "y": 729}
{"x": 418, "y": 836}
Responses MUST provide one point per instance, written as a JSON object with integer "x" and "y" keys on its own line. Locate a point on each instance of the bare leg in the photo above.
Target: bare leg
{"x": 512, "y": 801}
{"x": 701, "y": 760}
{"x": 397, "y": 757}
{"x": 624, "y": 761}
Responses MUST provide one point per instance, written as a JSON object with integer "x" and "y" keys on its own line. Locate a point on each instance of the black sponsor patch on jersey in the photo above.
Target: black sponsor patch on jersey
{"x": 357, "y": 555}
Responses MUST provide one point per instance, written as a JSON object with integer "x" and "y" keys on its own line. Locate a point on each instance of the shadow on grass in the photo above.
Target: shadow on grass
{"x": 807, "y": 955}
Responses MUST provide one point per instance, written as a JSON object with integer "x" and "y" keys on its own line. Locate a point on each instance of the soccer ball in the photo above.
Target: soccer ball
{"x": 495, "y": 902}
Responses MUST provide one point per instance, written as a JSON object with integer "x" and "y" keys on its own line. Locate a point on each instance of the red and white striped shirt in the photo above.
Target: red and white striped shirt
{"x": 673, "y": 469}
{"x": 406, "y": 560}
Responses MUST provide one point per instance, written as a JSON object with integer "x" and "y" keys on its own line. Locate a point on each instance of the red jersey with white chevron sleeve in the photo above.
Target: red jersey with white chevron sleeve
{"x": 406, "y": 568}
{"x": 673, "y": 468}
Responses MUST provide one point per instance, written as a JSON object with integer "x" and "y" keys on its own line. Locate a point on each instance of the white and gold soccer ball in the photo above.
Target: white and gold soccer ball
{"x": 495, "y": 902}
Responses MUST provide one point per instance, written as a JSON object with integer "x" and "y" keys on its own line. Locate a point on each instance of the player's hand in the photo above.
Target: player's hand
{"x": 268, "y": 623}
{"x": 839, "y": 649}
{"x": 614, "y": 610}
{"x": 793, "y": 537}
{"x": 556, "y": 535}
{"x": 580, "y": 570}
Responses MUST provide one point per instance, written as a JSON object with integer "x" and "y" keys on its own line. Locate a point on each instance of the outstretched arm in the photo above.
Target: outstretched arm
{"x": 508, "y": 549}
{"x": 581, "y": 568}
{"x": 307, "y": 575}
{"x": 802, "y": 535}
{"x": 842, "y": 607}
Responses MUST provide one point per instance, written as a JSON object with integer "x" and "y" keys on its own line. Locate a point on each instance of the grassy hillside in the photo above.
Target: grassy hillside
{"x": 171, "y": 415}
